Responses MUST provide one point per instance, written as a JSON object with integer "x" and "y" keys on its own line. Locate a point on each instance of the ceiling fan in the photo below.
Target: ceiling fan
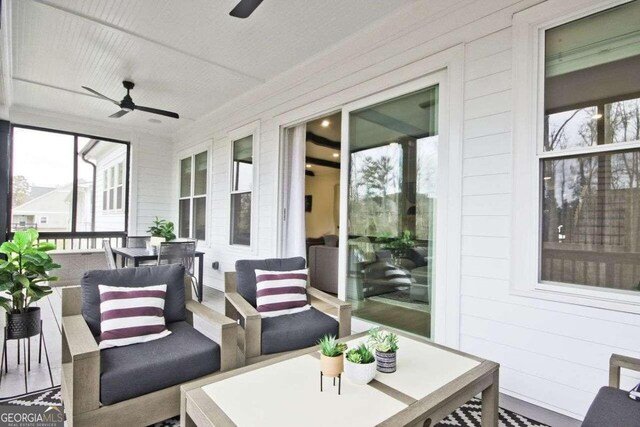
{"x": 127, "y": 105}
{"x": 245, "y": 8}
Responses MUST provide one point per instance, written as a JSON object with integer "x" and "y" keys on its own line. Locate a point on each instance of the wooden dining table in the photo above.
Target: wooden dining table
{"x": 139, "y": 255}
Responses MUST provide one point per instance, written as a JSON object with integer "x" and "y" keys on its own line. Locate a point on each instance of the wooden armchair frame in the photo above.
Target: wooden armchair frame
{"x": 618, "y": 361}
{"x": 250, "y": 336}
{"x": 81, "y": 368}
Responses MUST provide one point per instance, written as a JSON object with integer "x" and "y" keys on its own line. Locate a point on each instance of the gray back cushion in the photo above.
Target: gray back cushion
{"x": 246, "y": 273}
{"x": 172, "y": 275}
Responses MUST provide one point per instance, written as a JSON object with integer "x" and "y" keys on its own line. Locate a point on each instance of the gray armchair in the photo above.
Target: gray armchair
{"x": 137, "y": 384}
{"x": 261, "y": 338}
{"x": 612, "y": 406}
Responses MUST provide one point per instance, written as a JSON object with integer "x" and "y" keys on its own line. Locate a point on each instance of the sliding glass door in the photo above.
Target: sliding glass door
{"x": 391, "y": 210}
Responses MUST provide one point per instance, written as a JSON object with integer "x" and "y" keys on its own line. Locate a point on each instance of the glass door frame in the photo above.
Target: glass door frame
{"x": 448, "y": 217}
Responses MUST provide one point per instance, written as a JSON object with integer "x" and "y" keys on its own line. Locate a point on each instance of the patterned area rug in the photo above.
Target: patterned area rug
{"x": 47, "y": 397}
{"x": 468, "y": 415}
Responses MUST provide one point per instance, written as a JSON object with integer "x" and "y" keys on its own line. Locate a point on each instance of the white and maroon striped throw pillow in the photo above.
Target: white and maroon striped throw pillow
{"x": 281, "y": 292}
{"x": 131, "y": 315}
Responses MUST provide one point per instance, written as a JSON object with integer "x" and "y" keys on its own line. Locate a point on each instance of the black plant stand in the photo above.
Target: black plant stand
{"x": 26, "y": 350}
{"x": 334, "y": 381}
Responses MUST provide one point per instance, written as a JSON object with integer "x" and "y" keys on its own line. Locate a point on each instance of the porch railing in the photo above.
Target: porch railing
{"x": 82, "y": 239}
{"x": 605, "y": 269}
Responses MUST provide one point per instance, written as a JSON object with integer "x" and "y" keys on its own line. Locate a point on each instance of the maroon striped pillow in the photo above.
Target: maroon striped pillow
{"x": 131, "y": 315}
{"x": 281, "y": 292}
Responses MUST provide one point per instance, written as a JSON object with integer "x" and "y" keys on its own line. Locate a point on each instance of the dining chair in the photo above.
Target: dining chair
{"x": 111, "y": 261}
{"x": 182, "y": 252}
{"x": 138, "y": 241}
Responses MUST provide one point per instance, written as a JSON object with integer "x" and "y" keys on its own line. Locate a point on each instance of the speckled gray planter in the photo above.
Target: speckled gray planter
{"x": 386, "y": 361}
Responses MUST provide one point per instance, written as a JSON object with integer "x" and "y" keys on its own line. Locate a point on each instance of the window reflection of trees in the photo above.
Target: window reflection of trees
{"x": 591, "y": 202}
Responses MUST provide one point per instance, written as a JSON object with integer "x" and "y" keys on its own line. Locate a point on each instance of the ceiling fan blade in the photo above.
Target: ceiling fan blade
{"x": 100, "y": 95}
{"x": 245, "y": 8}
{"x": 156, "y": 111}
{"x": 119, "y": 114}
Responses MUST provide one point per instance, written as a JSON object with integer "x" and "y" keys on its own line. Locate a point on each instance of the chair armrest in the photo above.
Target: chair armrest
{"x": 618, "y": 361}
{"x": 252, "y": 324}
{"x": 325, "y": 297}
{"x": 344, "y": 309}
{"x": 80, "y": 342}
{"x": 226, "y": 329}
{"x": 81, "y": 365}
{"x": 246, "y": 310}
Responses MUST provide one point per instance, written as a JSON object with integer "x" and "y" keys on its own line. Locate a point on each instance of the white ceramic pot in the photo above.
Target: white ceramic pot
{"x": 155, "y": 241}
{"x": 358, "y": 373}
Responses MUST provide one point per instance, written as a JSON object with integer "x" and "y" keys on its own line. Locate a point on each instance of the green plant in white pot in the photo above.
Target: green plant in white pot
{"x": 24, "y": 275}
{"x": 386, "y": 346}
{"x": 360, "y": 365}
{"x": 161, "y": 231}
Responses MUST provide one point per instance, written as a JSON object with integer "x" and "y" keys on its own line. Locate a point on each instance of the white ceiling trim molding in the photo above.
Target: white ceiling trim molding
{"x": 21, "y": 115}
{"x": 149, "y": 40}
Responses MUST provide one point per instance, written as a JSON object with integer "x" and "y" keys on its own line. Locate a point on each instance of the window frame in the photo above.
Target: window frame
{"x": 126, "y": 180}
{"x": 528, "y": 63}
{"x": 111, "y": 207}
{"x": 251, "y": 129}
{"x": 191, "y": 154}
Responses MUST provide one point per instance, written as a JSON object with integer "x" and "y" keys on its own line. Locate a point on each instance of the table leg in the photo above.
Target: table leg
{"x": 200, "y": 277}
{"x": 123, "y": 262}
{"x": 187, "y": 422}
{"x": 490, "y": 398}
{"x": 136, "y": 262}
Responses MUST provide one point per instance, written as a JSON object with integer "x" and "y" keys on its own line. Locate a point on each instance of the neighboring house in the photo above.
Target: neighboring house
{"x": 50, "y": 209}
{"x": 110, "y": 160}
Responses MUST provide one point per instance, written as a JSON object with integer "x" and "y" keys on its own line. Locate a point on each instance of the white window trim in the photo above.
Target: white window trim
{"x": 528, "y": 82}
{"x": 191, "y": 152}
{"x": 250, "y": 129}
{"x": 111, "y": 171}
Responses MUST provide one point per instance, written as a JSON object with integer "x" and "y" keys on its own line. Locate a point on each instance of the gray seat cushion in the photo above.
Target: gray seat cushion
{"x": 246, "y": 273}
{"x": 296, "y": 331}
{"x": 134, "y": 370}
{"x": 612, "y": 407}
{"x": 171, "y": 275}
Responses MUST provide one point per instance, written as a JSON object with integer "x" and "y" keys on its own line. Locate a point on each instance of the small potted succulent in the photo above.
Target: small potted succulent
{"x": 24, "y": 275}
{"x": 386, "y": 346}
{"x": 331, "y": 360}
{"x": 161, "y": 231}
{"x": 360, "y": 366}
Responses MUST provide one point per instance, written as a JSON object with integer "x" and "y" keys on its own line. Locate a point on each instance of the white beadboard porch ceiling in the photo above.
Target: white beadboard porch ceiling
{"x": 185, "y": 56}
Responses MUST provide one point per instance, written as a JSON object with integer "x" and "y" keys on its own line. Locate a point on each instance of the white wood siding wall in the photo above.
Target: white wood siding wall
{"x": 552, "y": 354}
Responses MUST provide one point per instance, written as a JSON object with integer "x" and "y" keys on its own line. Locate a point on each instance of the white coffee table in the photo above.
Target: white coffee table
{"x": 431, "y": 381}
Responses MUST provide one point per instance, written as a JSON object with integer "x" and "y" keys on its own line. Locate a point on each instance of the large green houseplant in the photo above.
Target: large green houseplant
{"x": 24, "y": 275}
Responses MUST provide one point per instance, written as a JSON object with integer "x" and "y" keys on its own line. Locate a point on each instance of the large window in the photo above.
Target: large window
{"x": 193, "y": 196}
{"x": 67, "y": 183}
{"x": 241, "y": 191}
{"x": 590, "y": 157}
